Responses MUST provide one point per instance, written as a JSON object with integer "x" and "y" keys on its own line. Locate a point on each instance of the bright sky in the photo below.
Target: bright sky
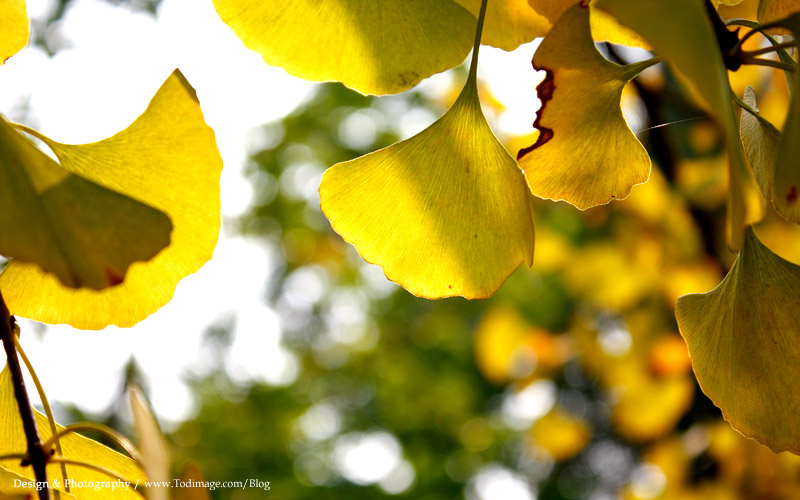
{"x": 116, "y": 62}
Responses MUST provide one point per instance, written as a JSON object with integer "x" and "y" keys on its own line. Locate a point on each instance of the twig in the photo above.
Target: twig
{"x": 36, "y": 454}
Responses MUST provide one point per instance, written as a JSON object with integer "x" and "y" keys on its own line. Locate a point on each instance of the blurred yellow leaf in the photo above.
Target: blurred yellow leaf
{"x": 649, "y": 409}
{"x": 192, "y": 473}
{"x": 76, "y": 447}
{"x": 444, "y": 213}
{"x": 83, "y": 233}
{"x": 693, "y": 50}
{"x": 742, "y": 338}
{"x": 509, "y": 23}
{"x": 585, "y": 153}
{"x": 151, "y": 444}
{"x": 14, "y": 28}
{"x": 374, "y": 48}
{"x": 773, "y": 10}
{"x": 669, "y": 357}
{"x": 167, "y": 158}
{"x": 561, "y": 435}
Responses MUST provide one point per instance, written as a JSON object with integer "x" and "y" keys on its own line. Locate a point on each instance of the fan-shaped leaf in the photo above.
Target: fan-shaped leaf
{"x": 744, "y": 340}
{"x": 585, "y": 153}
{"x": 760, "y": 141}
{"x": 509, "y": 23}
{"x": 444, "y": 213}
{"x": 373, "y": 47}
{"x": 167, "y": 158}
{"x": 83, "y": 233}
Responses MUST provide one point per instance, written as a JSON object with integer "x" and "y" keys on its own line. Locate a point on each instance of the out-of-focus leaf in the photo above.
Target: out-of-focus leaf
{"x": 773, "y": 10}
{"x": 151, "y": 444}
{"x": 192, "y": 473}
{"x": 743, "y": 340}
{"x": 649, "y": 409}
{"x": 585, "y": 153}
{"x": 167, "y": 158}
{"x": 760, "y": 140}
{"x": 14, "y": 28}
{"x": 83, "y": 233}
{"x": 444, "y": 213}
{"x": 372, "y": 47}
{"x": 693, "y": 50}
{"x": 74, "y": 446}
{"x": 561, "y": 435}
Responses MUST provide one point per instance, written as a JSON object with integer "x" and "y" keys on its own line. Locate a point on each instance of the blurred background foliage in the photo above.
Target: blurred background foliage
{"x": 572, "y": 382}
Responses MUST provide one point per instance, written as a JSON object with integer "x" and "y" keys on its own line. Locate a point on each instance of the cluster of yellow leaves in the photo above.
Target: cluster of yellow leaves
{"x": 103, "y": 235}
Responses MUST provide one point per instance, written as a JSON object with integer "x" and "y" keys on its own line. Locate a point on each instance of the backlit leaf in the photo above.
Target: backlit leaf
{"x": 694, "y": 52}
{"x": 585, "y": 153}
{"x": 509, "y": 23}
{"x": 743, "y": 340}
{"x": 760, "y": 141}
{"x": 444, "y": 213}
{"x": 151, "y": 444}
{"x": 373, "y": 47}
{"x": 14, "y": 28}
{"x": 167, "y": 158}
{"x": 772, "y": 10}
{"x": 14, "y": 486}
{"x": 74, "y": 446}
{"x": 83, "y": 233}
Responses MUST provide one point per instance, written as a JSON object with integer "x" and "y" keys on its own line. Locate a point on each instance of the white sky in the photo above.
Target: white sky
{"x": 116, "y": 63}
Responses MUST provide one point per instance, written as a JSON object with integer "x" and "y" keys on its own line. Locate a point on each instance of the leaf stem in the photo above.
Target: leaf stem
{"x": 14, "y": 456}
{"x": 473, "y": 68}
{"x": 771, "y": 48}
{"x": 757, "y": 61}
{"x": 108, "y": 432}
{"x": 47, "y": 410}
{"x": 36, "y": 453}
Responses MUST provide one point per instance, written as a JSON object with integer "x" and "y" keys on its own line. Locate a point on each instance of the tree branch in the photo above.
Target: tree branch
{"x": 36, "y": 454}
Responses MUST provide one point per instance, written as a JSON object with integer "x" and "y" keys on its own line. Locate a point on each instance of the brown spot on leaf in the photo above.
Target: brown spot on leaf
{"x": 113, "y": 277}
{"x": 545, "y": 92}
{"x": 791, "y": 196}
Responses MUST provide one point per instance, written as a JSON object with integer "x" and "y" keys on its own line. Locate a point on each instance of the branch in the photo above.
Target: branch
{"x": 36, "y": 454}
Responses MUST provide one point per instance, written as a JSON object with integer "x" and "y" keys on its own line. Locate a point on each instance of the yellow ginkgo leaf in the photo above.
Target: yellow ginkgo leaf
{"x": 694, "y": 51}
{"x": 14, "y": 28}
{"x": 509, "y": 23}
{"x": 373, "y": 47}
{"x": 760, "y": 141}
{"x": 167, "y": 158}
{"x": 83, "y": 233}
{"x": 649, "y": 408}
{"x": 561, "y": 435}
{"x": 604, "y": 27}
{"x": 444, "y": 213}
{"x": 16, "y": 487}
{"x": 585, "y": 153}
{"x": 151, "y": 444}
{"x": 743, "y": 340}
{"x": 773, "y": 10}
{"x": 84, "y": 483}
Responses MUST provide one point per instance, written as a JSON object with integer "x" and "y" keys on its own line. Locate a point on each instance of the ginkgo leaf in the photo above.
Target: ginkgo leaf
{"x": 444, "y": 213}
{"x": 693, "y": 50}
{"x": 585, "y": 152}
{"x": 74, "y": 447}
{"x": 743, "y": 340}
{"x": 760, "y": 141}
{"x": 151, "y": 444}
{"x": 373, "y": 47}
{"x": 14, "y": 486}
{"x": 773, "y": 10}
{"x": 14, "y": 28}
{"x": 83, "y": 233}
{"x": 509, "y": 23}
{"x": 604, "y": 27}
{"x": 167, "y": 158}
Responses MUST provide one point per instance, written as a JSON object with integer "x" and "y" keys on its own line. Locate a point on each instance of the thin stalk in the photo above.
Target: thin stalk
{"x": 633, "y": 69}
{"x": 14, "y": 456}
{"x": 757, "y": 61}
{"x": 108, "y": 432}
{"x": 770, "y": 49}
{"x": 36, "y": 454}
{"x": 47, "y": 410}
{"x": 473, "y": 68}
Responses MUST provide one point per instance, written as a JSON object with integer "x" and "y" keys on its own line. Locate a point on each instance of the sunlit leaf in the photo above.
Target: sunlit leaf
{"x": 509, "y": 23}
{"x": 760, "y": 141}
{"x": 151, "y": 444}
{"x": 167, "y": 158}
{"x": 14, "y": 486}
{"x": 585, "y": 153}
{"x": 444, "y": 213}
{"x": 772, "y": 10}
{"x": 373, "y": 47}
{"x": 14, "y": 28}
{"x": 743, "y": 340}
{"x": 693, "y": 50}
{"x": 74, "y": 446}
{"x": 604, "y": 27}
{"x": 83, "y": 233}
